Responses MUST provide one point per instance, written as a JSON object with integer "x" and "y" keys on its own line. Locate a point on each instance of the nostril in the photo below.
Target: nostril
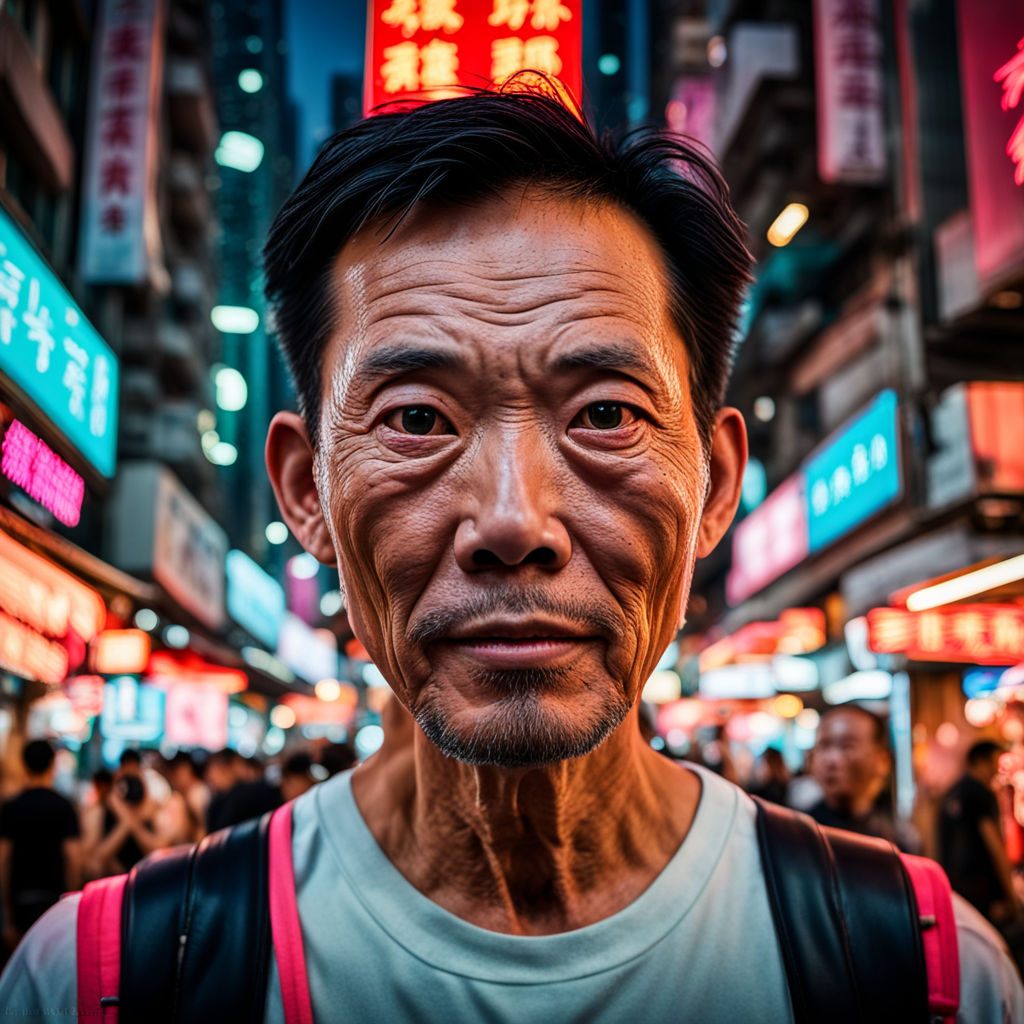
{"x": 540, "y": 556}
{"x": 484, "y": 558}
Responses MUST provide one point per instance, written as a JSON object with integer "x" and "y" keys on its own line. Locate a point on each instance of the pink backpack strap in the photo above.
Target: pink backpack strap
{"x": 98, "y": 949}
{"x": 284, "y": 921}
{"x": 938, "y": 934}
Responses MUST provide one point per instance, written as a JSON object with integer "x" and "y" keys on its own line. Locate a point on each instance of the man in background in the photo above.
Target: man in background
{"x": 39, "y": 845}
{"x": 851, "y": 763}
{"x": 971, "y": 845}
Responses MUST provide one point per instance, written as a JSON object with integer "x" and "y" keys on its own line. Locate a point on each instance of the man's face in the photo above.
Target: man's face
{"x": 509, "y": 469}
{"x": 848, "y": 762}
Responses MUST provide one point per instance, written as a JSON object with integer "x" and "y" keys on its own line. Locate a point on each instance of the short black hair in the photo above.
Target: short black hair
{"x": 982, "y": 751}
{"x": 130, "y": 756}
{"x": 457, "y": 151}
{"x": 37, "y": 756}
{"x": 298, "y": 764}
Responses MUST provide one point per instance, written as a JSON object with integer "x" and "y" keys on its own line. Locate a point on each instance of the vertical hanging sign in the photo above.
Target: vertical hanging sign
{"x": 848, "y": 73}
{"x": 120, "y": 233}
{"x": 431, "y": 49}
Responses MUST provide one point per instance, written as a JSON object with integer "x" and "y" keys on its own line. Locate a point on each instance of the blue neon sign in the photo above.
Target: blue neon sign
{"x": 51, "y": 352}
{"x": 854, "y": 475}
{"x": 255, "y": 599}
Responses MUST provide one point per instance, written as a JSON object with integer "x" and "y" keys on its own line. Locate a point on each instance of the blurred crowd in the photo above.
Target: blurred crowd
{"x": 49, "y": 846}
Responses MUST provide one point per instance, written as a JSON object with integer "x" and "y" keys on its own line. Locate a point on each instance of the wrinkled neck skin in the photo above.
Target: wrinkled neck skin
{"x": 532, "y": 851}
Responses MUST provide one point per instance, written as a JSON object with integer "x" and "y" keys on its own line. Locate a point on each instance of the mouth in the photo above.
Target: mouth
{"x": 512, "y": 644}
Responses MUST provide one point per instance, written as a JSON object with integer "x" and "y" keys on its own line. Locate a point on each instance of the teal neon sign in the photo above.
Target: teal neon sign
{"x": 53, "y": 355}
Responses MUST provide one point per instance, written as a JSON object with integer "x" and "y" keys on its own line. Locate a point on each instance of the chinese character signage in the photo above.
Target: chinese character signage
{"x": 991, "y": 40}
{"x": 854, "y": 475}
{"x": 848, "y": 65}
{"x": 983, "y": 634}
{"x": 429, "y": 49}
{"x": 53, "y": 355}
{"x": 29, "y": 462}
{"x": 120, "y": 233}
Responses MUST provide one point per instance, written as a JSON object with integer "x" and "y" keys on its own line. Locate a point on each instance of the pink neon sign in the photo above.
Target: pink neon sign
{"x": 34, "y": 466}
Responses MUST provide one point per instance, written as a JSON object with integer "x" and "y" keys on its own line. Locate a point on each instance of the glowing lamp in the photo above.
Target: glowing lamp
{"x": 792, "y": 218}
{"x": 118, "y": 652}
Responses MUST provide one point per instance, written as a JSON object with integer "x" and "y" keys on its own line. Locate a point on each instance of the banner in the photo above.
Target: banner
{"x": 120, "y": 233}
{"x": 848, "y": 74}
{"x": 431, "y": 49}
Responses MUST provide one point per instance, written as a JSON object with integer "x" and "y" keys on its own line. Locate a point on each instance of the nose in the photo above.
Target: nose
{"x": 511, "y": 516}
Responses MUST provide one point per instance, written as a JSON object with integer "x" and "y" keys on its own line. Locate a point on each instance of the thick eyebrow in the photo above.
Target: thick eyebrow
{"x": 607, "y": 357}
{"x": 385, "y": 363}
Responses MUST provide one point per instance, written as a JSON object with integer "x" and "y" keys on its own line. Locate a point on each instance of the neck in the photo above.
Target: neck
{"x": 529, "y": 851}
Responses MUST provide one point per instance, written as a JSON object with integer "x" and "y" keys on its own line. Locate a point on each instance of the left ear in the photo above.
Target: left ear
{"x": 725, "y": 465}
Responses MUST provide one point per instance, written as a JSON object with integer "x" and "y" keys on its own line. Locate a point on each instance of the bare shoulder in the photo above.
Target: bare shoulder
{"x": 990, "y": 988}
{"x": 39, "y": 980}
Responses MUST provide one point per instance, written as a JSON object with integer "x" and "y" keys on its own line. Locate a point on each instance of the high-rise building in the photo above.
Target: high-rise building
{"x": 255, "y": 174}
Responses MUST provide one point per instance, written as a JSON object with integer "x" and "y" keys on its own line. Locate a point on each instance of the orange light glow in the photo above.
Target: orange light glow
{"x": 48, "y": 599}
{"x": 120, "y": 651}
{"x": 796, "y": 631}
{"x": 27, "y": 653}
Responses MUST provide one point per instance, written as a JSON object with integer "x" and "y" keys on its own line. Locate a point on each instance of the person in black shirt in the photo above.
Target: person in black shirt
{"x": 39, "y": 848}
{"x": 970, "y": 842}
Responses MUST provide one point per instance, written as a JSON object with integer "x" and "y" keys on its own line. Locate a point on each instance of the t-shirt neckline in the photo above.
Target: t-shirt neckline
{"x": 448, "y": 943}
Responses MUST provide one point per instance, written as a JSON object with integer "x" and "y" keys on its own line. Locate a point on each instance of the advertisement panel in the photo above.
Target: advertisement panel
{"x": 854, "y": 475}
{"x": 52, "y": 355}
{"x": 770, "y": 541}
{"x": 992, "y": 86}
{"x": 255, "y": 599}
{"x": 196, "y": 716}
{"x": 157, "y": 528}
{"x": 430, "y": 49}
{"x": 120, "y": 231}
{"x": 848, "y": 73}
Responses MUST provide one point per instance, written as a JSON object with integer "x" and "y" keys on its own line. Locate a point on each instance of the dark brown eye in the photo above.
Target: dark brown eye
{"x": 419, "y": 419}
{"x": 604, "y": 415}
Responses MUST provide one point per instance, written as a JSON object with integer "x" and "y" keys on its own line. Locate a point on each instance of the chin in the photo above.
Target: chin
{"x": 523, "y": 729}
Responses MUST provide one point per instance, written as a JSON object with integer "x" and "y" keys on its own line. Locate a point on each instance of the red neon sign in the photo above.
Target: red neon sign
{"x": 982, "y": 634}
{"x": 1011, "y": 75}
{"x": 432, "y": 49}
{"x": 37, "y": 469}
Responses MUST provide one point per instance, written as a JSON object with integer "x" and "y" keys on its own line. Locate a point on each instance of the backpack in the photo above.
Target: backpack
{"x": 866, "y": 933}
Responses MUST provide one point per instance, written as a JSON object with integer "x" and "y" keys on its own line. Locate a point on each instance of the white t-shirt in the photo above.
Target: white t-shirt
{"x": 699, "y": 944}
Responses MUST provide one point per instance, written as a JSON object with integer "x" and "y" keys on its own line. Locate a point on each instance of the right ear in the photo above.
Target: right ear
{"x": 289, "y": 458}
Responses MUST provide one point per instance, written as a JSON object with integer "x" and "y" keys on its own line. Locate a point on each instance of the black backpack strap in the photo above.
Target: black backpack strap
{"x": 195, "y": 931}
{"x": 847, "y": 923}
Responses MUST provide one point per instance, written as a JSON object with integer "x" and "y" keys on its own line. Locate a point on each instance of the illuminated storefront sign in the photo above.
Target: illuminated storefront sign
{"x": 120, "y": 233}
{"x": 433, "y": 48}
{"x": 850, "y": 94}
{"x": 132, "y": 712}
{"x": 185, "y": 667}
{"x": 120, "y": 651}
{"x": 196, "y": 716}
{"x": 27, "y": 653}
{"x": 158, "y": 528}
{"x": 52, "y": 355}
{"x": 796, "y": 631}
{"x": 991, "y": 79}
{"x": 255, "y": 599}
{"x": 855, "y": 475}
{"x": 46, "y": 598}
{"x": 312, "y": 653}
{"x": 985, "y": 634}
{"x": 770, "y": 541}
{"x": 29, "y": 462}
